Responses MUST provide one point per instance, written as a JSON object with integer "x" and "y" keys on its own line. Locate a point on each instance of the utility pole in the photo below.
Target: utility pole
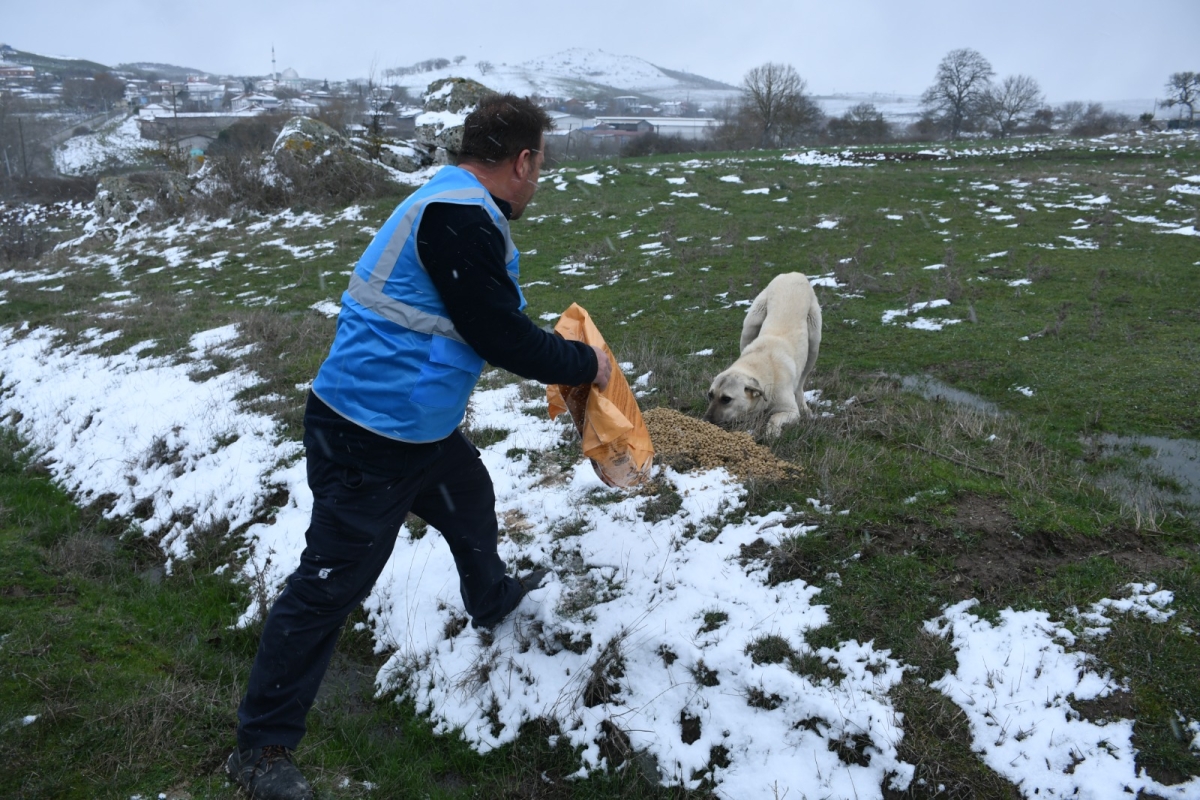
{"x": 21, "y": 134}
{"x": 175, "y": 121}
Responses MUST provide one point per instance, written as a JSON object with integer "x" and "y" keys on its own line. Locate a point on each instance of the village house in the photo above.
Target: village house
{"x": 13, "y": 73}
{"x": 625, "y": 103}
{"x": 296, "y": 105}
{"x": 249, "y": 100}
{"x": 690, "y": 128}
{"x": 565, "y": 123}
{"x": 202, "y": 95}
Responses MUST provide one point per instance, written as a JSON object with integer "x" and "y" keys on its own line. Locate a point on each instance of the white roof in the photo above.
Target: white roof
{"x": 679, "y": 121}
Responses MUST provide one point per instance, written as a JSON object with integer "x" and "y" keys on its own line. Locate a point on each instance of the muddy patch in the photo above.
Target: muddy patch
{"x": 985, "y": 557}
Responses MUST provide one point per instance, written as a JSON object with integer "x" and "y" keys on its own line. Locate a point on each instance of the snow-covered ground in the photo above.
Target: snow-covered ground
{"x": 645, "y": 625}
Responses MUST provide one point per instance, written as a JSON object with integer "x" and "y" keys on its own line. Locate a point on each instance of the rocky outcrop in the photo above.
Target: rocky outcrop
{"x": 403, "y": 157}
{"x": 455, "y": 95}
{"x": 437, "y": 134}
{"x": 448, "y": 101}
{"x": 307, "y": 136}
{"x": 120, "y": 198}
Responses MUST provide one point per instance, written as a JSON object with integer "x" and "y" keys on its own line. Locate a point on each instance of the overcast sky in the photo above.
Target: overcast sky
{"x": 1101, "y": 50}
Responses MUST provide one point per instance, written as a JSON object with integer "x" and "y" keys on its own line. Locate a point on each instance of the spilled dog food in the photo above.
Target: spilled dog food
{"x": 689, "y": 443}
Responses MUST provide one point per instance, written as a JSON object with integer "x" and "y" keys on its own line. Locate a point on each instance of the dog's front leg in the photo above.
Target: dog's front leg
{"x": 780, "y": 418}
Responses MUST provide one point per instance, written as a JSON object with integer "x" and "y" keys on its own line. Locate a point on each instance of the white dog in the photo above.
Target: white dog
{"x": 780, "y": 340}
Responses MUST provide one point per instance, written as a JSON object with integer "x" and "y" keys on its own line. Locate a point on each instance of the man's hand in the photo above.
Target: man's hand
{"x": 603, "y": 368}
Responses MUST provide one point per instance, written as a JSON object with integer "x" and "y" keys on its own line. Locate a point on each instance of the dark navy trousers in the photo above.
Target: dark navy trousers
{"x": 355, "y": 519}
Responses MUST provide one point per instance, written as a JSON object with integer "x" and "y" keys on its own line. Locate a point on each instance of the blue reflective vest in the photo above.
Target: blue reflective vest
{"x": 397, "y": 365}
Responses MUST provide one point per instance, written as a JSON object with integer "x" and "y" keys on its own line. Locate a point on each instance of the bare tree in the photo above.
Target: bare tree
{"x": 802, "y": 120}
{"x": 732, "y": 131}
{"x": 861, "y": 123}
{"x": 960, "y": 83}
{"x": 1011, "y": 103}
{"x": 1184, "y": 90}
{"x": 1095, "y": 121}
{"x": 1042, "y": 120}
{"x": 484, "y": 67}
{"x": 774, "y": 96}
{"x": 1067, "y": 115}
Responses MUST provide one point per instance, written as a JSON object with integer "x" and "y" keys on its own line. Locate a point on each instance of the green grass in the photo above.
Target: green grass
{"x": 136, "y": 679}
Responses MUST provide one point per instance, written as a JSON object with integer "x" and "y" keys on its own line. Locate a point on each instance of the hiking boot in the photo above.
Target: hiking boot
{"x": 528, "y": 583}
{"x": 267, "y": 773}
{"x": 532, "y": 580}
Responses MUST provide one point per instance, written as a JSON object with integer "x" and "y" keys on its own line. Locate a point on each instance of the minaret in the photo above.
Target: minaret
{"x": 274, "y": 72}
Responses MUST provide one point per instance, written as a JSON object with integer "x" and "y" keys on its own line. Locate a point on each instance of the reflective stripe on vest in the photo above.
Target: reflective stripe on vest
{"x": 370, "y": 293}
{"x": 399, "y": 312}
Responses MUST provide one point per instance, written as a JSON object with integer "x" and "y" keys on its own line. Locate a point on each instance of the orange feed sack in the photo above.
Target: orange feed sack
{"x": 614, "y": 436}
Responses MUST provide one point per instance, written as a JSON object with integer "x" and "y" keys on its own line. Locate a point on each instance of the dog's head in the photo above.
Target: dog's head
{"x": 733, "y": 398}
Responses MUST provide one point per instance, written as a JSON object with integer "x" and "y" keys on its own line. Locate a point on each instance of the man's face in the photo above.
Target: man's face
{"x": 532, "y": 172}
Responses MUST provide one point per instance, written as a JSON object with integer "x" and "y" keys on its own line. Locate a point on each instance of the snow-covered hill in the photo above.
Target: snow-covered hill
{"x": 577, "y": 72}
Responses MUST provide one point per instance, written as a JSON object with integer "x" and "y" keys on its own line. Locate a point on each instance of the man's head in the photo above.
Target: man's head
{"x": 502, "y": 145}
{"x": 500, "y": 127}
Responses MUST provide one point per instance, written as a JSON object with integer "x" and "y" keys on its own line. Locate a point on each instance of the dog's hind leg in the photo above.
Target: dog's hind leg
{"x": 814, "y": 348}
{"x": 754, "y": 321}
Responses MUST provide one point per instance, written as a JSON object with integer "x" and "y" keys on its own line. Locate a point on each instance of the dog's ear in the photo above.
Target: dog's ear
{"x": 753, "y": 388}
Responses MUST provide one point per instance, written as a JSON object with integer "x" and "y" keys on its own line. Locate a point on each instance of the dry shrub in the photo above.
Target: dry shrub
{"x": 289, "y": 351}
{"x": 337, "y": 179}
{"x": 46, "y": 189}
{"x": 22, "y": 241}
{"x": 603, "y": 679}
{"x": 877, "y": 426}
{"x": 237, "y": 179}
{"x": 148, "y": 725}
{"x": 245, "y": 173}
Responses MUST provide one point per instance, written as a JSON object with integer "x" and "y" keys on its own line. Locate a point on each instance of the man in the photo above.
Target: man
{"x": 434, "y": 296}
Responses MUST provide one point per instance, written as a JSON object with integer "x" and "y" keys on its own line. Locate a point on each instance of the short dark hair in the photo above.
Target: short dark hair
{"x": 500, "y": 127}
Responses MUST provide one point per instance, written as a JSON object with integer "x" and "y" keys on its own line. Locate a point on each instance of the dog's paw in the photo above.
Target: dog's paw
{"x": 774, "y": 427}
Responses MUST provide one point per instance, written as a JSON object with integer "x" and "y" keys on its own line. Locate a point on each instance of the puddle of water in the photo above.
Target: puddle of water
{"x": 931, "y": 389}
{"x": 1175, "y": 459}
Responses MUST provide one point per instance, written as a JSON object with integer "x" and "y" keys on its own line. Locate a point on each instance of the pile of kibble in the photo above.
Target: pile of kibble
{"x": 687, "y": 443}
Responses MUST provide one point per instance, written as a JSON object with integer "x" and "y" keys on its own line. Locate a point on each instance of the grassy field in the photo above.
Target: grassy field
{"x": 1054, "y": 283}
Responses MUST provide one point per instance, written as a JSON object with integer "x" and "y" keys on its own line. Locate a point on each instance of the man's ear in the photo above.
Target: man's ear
{"x": 524, "y": 164}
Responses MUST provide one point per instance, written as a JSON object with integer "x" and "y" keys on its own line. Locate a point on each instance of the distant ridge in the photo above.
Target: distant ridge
{"x": 577, "y": 72}
{"x": 698, "y": 80}
{"x": 67, "y": 66}
{"x": 172, "y": 72}
{"x": 64, "y": 66}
